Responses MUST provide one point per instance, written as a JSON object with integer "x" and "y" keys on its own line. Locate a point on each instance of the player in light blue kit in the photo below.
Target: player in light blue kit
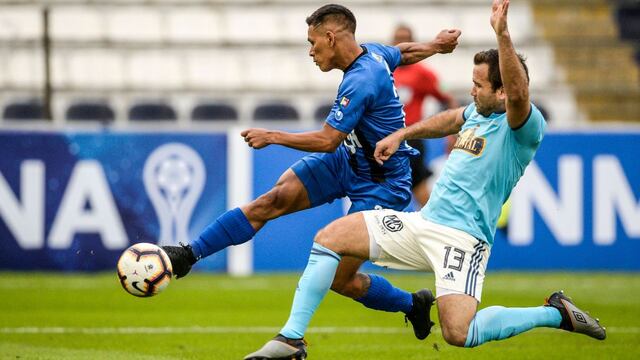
{"x": 366, "y": 110}
{"x": 452, "y": 235}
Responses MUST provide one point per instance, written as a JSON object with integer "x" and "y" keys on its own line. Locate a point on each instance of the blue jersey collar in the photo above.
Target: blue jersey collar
{"x": 364, "y": 51}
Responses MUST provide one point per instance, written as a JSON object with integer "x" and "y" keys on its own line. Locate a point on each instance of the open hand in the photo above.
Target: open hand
{"x": 257, "y": 138}
{"x": 499, "y": 11}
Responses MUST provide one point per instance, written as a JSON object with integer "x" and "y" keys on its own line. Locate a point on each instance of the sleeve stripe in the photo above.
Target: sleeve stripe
{"x": 525, "y": 122}
{"x": 464, "y": 117}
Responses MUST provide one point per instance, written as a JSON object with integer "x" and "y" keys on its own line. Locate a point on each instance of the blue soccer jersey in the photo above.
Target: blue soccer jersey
{"x": 487, "y": 161}
{"x": 368, "y": 109}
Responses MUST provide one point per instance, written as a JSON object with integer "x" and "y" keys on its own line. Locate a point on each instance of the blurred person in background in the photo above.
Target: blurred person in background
{"x": 499, "y": 134}
{"x": 366, "y": 109}
{"x": 415, "y": 84}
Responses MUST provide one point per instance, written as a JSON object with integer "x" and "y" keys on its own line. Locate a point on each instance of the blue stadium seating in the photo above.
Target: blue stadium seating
{"x": 152, "y": 111}
{"x": 214, "y": 112}
{"x": 275, "y": 111}
{"x": 90, "y": 111}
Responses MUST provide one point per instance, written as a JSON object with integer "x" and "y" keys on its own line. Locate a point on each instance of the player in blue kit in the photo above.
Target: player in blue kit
{"x": 452, "y": 235}
{"x": 367, "y": 109}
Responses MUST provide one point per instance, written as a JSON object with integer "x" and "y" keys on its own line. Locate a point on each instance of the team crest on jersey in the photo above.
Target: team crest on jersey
{"x": 338, "y": 115}
{"x": 392, "y": 223}
{"x": 344, "y": 102}
{"x": 467, "y": 141}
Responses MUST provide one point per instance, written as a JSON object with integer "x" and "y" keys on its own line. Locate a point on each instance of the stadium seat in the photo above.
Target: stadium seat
{"x": 217, "y": 69}
{"x": 87, "y": 23}
{"x": 22, "y": 68}
{"x": 275, "y": 111}
{"x": 90, "y": 111}
{"x": 214, "y": 112}
{"x": 151, "y": 111}
{"x": 321, "y": 112}
{"x": 193, "y": 25}
{"x": 134, "y": 23}
{"x": 80, "y": 70}
{"x": 251, "y": 24}
{"x": 156, "y": 69}
{"x": 20, "y": 23}
{"x": 26, "y": 110}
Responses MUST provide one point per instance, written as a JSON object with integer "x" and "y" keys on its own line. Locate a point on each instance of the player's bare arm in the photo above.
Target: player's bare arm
{"x": 444, "y": 43}
{"x": 326, "y": 139}
{"x": 440, "y": 125}
{"x": 514, "y": 78}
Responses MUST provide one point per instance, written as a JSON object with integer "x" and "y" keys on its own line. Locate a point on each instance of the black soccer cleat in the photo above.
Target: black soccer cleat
{"x": 281, "y": 348}
{"x": 574, "y": 319}
{"x": 181, "y": 259}
{"x": 420, "y": 313}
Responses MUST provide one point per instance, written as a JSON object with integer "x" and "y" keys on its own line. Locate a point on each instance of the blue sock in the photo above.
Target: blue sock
{"x": 498, "y": 322}
{"x": 383, "y": 296}
{"x": 312, "y": 287}
{"x": 230, "y": 228}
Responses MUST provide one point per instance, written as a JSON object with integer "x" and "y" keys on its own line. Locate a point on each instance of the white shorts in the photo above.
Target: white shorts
{"x": 406, "y": 241}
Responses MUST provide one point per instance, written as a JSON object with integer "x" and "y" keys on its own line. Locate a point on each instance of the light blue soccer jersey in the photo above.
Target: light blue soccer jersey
{"x": 367, "y": 107}
{"x": 487, "y": 161}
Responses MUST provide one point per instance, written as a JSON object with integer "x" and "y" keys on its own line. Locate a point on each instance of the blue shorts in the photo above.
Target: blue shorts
{"x": 328, "y": 176}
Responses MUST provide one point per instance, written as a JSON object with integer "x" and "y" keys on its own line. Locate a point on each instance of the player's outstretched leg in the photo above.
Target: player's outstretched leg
{"x": 381, "y": 295}
{"x": 420, "y": 314}
{"x": 238, "y": 226}
{"x": 377, "y": 293}
{"x": 497, "y": 322}
{"x": 281, "y": 348}
{"x": 230, "y": 228}
{"x": 574, "y": 319}
{"x": 312, "y": 287}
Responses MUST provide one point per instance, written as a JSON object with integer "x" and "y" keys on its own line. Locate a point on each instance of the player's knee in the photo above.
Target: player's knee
{"x": 454, "y": 335}
{"x": 328, "y": 239}
{"x": 324, "y": 238}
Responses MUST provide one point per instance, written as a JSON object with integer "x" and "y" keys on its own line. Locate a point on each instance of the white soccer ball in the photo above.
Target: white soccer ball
{"x": 144, "y": 270}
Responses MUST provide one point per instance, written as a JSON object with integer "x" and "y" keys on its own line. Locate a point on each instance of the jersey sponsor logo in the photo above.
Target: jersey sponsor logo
{"x": 467, "y": 141}
{"x": 392, "y": 223}
{"x": 338, "y": 115}
{"x": 344, "y": 102}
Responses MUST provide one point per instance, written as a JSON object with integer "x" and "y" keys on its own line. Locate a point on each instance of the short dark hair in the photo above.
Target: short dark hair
{"x": 333, "y": 12}
{"x": 490, "y": 57}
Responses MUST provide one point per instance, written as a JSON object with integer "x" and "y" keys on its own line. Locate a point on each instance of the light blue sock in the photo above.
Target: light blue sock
{"x": 383, "y": 296}
{"x": 312, "y": 287}
{"x": 230, "y": 228}
{"x": 499, "y": 322}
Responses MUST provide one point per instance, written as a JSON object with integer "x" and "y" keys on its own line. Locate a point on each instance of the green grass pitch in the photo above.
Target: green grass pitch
{"x": 55, "y": 316}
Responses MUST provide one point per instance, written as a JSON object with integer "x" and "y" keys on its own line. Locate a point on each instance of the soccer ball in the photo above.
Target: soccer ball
{"x": 144, "y": 270}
